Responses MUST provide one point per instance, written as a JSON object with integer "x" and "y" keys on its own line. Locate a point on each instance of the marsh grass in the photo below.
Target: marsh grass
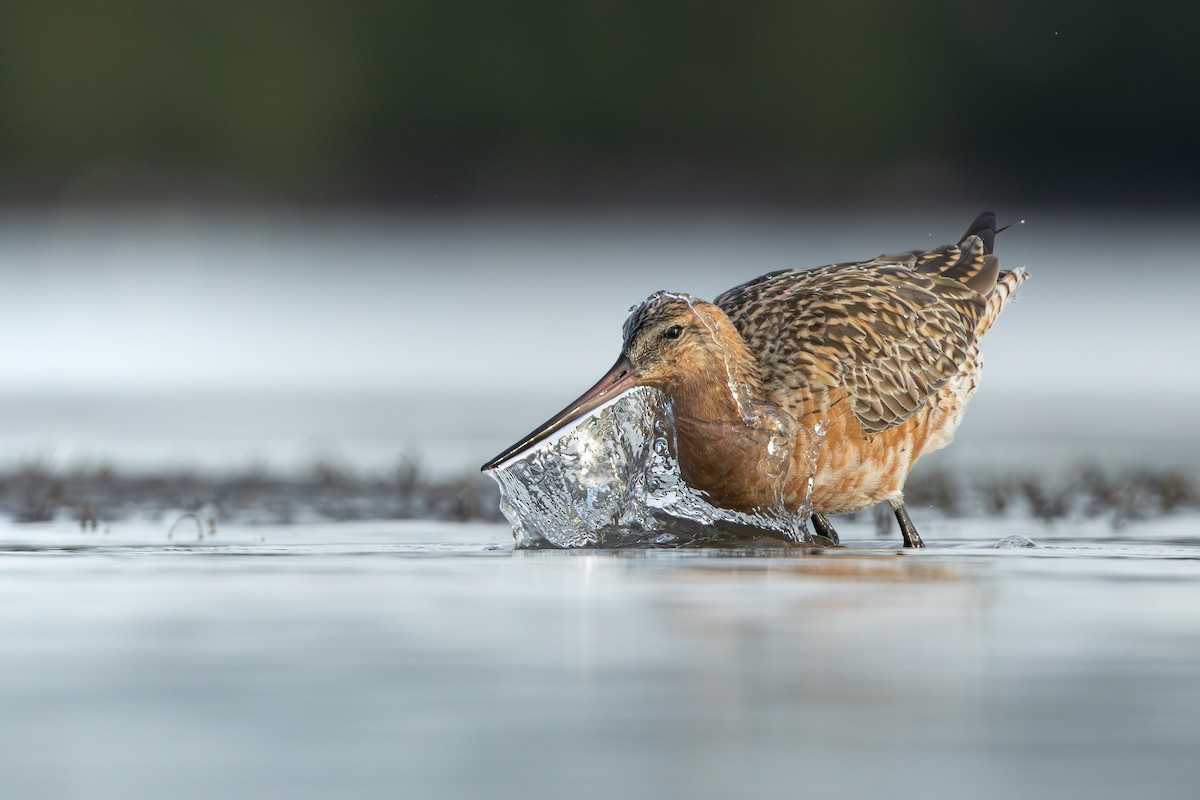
{"x": 1087, "y": 491}
{"x": 93, "y": 496}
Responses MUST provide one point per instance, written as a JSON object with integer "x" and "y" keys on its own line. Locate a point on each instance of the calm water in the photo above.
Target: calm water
{"x": 411, "y": 660}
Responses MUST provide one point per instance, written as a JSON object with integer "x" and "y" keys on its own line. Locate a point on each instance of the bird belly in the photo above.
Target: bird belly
{"x": 856, "y": 469}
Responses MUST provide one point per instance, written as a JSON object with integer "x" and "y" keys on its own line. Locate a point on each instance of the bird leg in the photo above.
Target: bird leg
{"x": 907, "y": 529}
{"x": 821, "y": 523}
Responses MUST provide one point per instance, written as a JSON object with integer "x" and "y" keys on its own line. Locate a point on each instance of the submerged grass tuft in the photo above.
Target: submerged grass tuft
{"x": 1085, "y": 492}
{"x": 326, "y": 492}
{"x": 331, "y": 492}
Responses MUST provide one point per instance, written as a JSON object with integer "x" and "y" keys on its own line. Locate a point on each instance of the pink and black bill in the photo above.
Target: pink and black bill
{"x": 619, "y": 379}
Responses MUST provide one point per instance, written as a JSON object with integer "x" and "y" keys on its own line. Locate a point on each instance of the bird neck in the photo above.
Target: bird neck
{"x": 718, "y": 383}
{"x": 727, "y": 431}
{"x": 721, "y": 437}
{"x": 715, "y": 397}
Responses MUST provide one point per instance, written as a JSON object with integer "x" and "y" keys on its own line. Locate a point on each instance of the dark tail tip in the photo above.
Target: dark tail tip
{"x": 984, "y": 227}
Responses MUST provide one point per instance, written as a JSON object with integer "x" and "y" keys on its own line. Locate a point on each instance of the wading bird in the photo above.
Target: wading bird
{"x": 823, "y": 384}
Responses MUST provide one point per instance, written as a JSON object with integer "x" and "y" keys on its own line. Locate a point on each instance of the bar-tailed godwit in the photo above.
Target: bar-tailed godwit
{"x": 859, "y": 369}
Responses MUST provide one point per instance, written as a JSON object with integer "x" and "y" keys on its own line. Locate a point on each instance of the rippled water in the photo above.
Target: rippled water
{"x": 414, "y": 660}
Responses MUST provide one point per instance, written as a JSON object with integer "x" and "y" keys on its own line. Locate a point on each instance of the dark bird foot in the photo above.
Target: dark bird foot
{"x": 907, "y": 529}
{"x": 821, "y": 523}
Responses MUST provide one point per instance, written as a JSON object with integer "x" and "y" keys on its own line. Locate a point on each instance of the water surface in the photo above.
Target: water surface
{"x": 423, "y": 660}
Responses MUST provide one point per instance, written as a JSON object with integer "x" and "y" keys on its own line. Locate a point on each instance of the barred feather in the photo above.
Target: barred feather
{"x": 890, "y": 332}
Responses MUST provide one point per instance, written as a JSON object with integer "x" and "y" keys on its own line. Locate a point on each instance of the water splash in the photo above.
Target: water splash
{"x": 613, "y": 480}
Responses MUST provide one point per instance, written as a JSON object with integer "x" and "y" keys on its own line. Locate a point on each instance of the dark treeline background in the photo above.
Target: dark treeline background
{"x": 481, "y": 101}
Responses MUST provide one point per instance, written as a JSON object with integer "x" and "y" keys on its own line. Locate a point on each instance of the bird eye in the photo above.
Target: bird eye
{"x": 673, "y": 332}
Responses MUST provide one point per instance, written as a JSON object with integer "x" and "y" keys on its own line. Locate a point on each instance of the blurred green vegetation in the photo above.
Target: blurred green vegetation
{"x": 373, "y": 100}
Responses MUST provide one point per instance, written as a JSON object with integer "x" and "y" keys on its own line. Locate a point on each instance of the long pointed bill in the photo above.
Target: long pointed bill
{"x": 619, "y": 379}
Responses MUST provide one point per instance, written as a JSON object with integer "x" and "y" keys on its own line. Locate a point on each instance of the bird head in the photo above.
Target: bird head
{"x": 670, "y": 340}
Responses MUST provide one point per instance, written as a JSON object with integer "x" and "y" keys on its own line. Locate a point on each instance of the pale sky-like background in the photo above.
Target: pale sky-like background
{"x": 530, "y": 304}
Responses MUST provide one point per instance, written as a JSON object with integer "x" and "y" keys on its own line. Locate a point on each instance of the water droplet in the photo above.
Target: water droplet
{"x": 1013, "y": 542}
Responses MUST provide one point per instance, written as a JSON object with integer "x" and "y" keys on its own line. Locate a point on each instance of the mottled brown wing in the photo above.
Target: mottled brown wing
{"x": 887, "y": 332}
